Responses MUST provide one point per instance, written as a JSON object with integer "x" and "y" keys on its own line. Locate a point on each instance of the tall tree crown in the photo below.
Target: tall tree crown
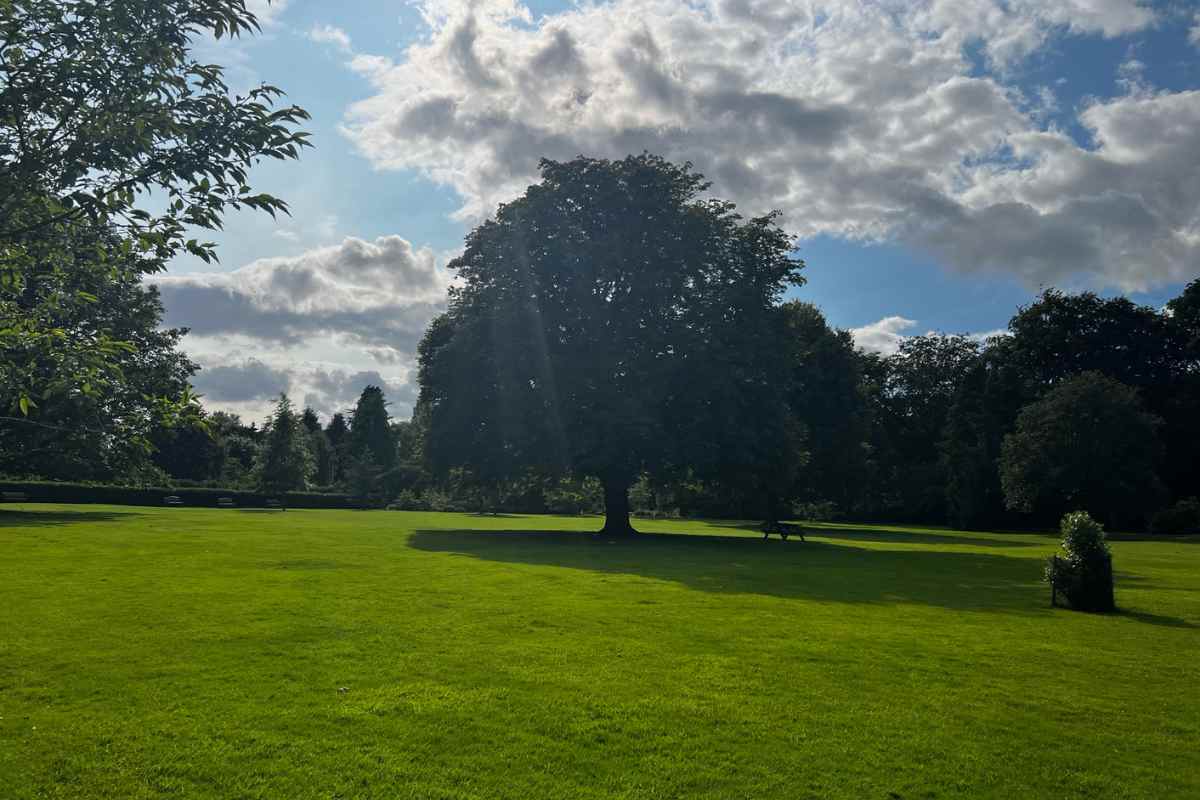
{"x": 611, "y": 320}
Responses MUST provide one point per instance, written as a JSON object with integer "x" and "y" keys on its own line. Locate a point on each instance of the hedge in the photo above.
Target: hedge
{"x": 56, "y": 492}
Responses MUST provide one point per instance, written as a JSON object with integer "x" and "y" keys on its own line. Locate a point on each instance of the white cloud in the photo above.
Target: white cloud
{"x": 330, "y": 34}
{"x": 317, "y": 325}
{"x": 884, "y": 336}
{"x": 240, "y": 382}
{"x": 229, "y": 380}
{"x": 1194, "y": 33}
{"x": 859, "y": 120}
{"x": 380, "y": 293}
{"x": 267, "y": 11}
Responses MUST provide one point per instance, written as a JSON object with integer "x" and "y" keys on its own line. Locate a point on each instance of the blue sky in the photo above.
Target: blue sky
{"x": 941, "y": 160}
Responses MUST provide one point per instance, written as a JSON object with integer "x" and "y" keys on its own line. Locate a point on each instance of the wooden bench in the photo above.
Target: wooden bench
{"x": 172, "y": 500}
{"x": 14, "y": 497}
{"x": 224, "y": 502}
{"x": 273, "y": 503}
{"x": 784, "y": 529}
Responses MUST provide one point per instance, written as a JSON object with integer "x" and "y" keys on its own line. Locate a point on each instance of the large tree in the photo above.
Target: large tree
{"x": 1088, "y": 444}
{"x": 112, "y": 130}
{"x": 611, "y": 321}
{"x": 1061, "y": 335}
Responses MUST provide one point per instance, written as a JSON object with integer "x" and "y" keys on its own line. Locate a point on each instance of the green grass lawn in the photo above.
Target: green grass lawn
{"x": 340, "y": 654}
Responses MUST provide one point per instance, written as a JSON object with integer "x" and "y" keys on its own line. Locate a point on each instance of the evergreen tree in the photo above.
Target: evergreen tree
{"x": 310, "y": 420}
{"x": 337, "y": 433}
{"x": 370, "y": 430}
{"x": 285, "y": 462}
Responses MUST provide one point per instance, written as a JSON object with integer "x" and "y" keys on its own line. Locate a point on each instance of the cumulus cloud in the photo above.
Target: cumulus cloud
{"x": 860, "y": 120}
{"x": 241, "y": 382}
{"x": 338, "y": 390}
{"x": 380, "y": 294}
{"x": 1194, "y": 33}
{"x": 230, "y": 380}
{"x": 884, "y": 336}
{"x": 311, "y": 325}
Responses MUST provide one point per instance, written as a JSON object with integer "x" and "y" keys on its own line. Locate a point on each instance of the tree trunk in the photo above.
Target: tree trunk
{"x": 616, "y": 509}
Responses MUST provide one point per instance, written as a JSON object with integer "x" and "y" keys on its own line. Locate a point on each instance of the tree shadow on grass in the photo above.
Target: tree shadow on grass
{"x": 1154, "y": 619}
{"x": 897, "y": 536}
{"x": 816, "y": 570}
{"x": 10, "y": 518}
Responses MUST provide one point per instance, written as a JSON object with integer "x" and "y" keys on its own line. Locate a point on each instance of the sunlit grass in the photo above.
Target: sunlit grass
{"x": 322, "y": 654}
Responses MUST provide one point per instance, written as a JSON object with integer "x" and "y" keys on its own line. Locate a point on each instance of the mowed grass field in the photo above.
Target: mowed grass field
{"x": 340, "y": 654}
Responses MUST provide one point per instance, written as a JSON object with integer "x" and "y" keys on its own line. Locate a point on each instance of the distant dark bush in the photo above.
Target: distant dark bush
{"x": 1181, "y": 518}
{"x": 1084, "y": 575}
{"x": 58, "y": 492}
{"x": 816, "y": 512}
{"x": 409, "y": 500}
{"x": 565, "y": 500}
{"x": 445, "y": 501}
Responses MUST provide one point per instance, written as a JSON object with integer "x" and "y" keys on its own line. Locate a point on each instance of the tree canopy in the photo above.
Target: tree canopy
{"x": 611, "y": 321}
{"x": 116, "y": 143}
{"x": 1088, "y": 444}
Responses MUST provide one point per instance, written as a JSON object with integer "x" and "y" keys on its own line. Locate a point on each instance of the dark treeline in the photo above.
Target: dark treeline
{"x": 1084, "y": 402}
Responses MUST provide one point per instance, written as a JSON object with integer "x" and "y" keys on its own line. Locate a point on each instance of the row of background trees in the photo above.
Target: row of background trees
{"x": 1085, "y": 402}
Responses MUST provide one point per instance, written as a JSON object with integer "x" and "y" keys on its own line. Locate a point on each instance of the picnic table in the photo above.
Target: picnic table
{"x": 224, "y": 502}
{"x": 172, "y": 500}
{"x": 14, "y": 497}
{"x": 784, "y": 529}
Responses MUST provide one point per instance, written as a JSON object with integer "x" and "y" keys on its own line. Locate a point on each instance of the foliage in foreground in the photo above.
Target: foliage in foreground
{"x": 103, "y": 104}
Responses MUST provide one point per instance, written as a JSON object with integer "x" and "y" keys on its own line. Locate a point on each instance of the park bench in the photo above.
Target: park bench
{"x": 273, "y": 503}
{"x": 784, "y": 529}
{"x": 224, "y": 502}
{"x": 172, "y": 500}
{"x": 14, "y": 497}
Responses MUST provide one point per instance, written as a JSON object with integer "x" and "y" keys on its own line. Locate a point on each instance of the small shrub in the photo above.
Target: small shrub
{"x": 1181, "y": 518}
{"x": 1083, "y": 576}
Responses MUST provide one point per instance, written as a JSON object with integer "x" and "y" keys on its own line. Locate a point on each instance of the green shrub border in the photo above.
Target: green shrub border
{"x": 59, "y": 492}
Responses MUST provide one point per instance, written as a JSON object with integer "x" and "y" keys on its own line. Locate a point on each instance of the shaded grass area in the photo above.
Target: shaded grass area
{"x": 207, "y": 653}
